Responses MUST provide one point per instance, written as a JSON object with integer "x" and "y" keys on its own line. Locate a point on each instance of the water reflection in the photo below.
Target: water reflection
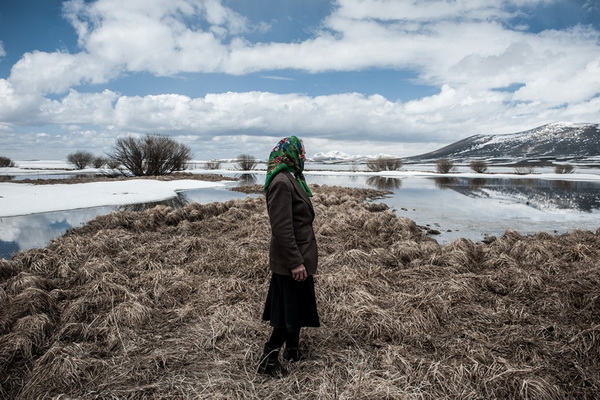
{"x": 36, "y": 230}
{"x": 474, "y": 207}
{"x": 246, "y": 179}
{"x": 445, "y": 182}
{"x": 563, "y": 185}
{"x": 477, "y": 184}
{"x": 538, "y": 193}
{"x": 384, "y": 183}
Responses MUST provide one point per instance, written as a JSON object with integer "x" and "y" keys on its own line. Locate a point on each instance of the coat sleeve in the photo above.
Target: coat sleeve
{"x": 283, "y": 241}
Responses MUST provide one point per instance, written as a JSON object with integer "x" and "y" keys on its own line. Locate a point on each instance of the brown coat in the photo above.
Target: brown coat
{"x": 291, "y": 215}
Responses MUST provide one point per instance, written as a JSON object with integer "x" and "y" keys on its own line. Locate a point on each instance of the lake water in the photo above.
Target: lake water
{"x": 456, "y": 207}
{"x": 37, "y": 230}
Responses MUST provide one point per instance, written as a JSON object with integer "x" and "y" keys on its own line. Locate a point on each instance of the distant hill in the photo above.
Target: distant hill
{"x": 340, "y": 157}
{"x": 558, "y": 141}
{"x": 331, "y": 156}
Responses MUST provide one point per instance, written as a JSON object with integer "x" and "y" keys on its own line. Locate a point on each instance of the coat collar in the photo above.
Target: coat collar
{"x": 299, "y": 189}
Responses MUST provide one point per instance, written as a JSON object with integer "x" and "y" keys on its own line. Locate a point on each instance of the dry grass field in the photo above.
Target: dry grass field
{"x": 166, "y": 304}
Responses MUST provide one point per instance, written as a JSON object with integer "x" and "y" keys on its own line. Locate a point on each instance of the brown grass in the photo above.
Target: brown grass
{"x": 84, "y": 178}
{"x": 166, "y": 304}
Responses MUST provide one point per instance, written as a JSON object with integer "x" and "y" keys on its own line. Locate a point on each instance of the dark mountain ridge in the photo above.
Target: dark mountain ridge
{"x": 557, "y": 141}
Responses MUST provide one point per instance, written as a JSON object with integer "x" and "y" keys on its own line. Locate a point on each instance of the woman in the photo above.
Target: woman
{"x": 291, "y": 302}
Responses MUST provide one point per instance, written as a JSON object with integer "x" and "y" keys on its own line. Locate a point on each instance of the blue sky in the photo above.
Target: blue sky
{"x": 226, "y": 77}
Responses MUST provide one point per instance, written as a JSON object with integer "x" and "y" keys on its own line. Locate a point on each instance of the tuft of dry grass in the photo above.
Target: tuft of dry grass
{"x": 165, "y": 303}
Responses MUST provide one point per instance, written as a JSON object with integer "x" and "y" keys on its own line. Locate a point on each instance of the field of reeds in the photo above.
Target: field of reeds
{"x": 166, "y": 304}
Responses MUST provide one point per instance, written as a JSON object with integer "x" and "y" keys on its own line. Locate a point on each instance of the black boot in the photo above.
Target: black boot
{"x": 292, "y": 345}
{"x": 292, "y": 354}
{"x": 269, "y": 363}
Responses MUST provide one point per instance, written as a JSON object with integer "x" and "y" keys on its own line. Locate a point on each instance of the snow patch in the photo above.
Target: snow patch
{"x": 22, "y": 199}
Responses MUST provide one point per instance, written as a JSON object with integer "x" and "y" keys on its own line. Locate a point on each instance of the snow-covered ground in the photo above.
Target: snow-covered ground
{"x": 22, "y": 199}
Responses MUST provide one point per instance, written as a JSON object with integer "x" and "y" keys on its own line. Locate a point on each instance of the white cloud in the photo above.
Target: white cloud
{"x": 454, "y": 43}
{"x": 42, "y": 73}
{"x": 439, "y": 118}
{"x": 162, "y": 37}
{"x": 18, "y": 108}
{"x": 466, "y": 48}
{"x": 2, "y": 51}
{"x": 81, "y": 108}
{"x": 448, "y": 42}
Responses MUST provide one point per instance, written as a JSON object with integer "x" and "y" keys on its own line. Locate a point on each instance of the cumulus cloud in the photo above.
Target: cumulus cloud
{"x": 18, "y": 108}
{"x": 81, "y": 108}
{"x": 469, "y": 49}
{"x": 351, "y": 116}
{"x": 447, "y": 42}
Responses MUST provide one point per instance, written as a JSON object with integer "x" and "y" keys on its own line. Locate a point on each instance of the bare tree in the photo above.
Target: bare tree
{"x": 524, "y": 170}
{"x": 6, "y": 162}
{"x": 444, "y": 165}
{"x": 478, "y": 166}
{"x": 99, "y": 162}
{"x": 384, "y": 164}
{"x": 213, "y": 164}
{"x": 151, "y": 155}
{"x": 246, "y": 162}
{"x": 80, "y": 159}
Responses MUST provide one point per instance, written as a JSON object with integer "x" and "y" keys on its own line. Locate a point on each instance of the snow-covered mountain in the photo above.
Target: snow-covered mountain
{"x": 338, "y": 156}
{"x": 565, "y": 141}
{"x": 332, "y": 156}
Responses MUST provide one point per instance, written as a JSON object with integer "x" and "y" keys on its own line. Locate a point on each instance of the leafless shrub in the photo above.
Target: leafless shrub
{"x": 564, "y": 169}
{"x": 151, "y": 155}
{"x": 246, "y": 162}
{"x": 524, "y": 170}
{"x": 99, "y": 162}
{"x": 478, "y": 166}
{"x": 444, "y": 165}
{"x": 6, "y": 162}
{"x": 213, "y": 164}
{"x": 384, "y": 164}
{"x": 80, "y": 159}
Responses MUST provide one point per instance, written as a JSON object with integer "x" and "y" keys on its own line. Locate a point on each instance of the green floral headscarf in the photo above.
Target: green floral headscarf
{"x": 288, "y": 155}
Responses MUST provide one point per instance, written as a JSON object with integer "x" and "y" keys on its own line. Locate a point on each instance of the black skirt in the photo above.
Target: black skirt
{"x": 290, "y": 304}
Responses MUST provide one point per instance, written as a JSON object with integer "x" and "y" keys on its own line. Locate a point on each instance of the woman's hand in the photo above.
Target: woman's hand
{"x": 299, "y": 273}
